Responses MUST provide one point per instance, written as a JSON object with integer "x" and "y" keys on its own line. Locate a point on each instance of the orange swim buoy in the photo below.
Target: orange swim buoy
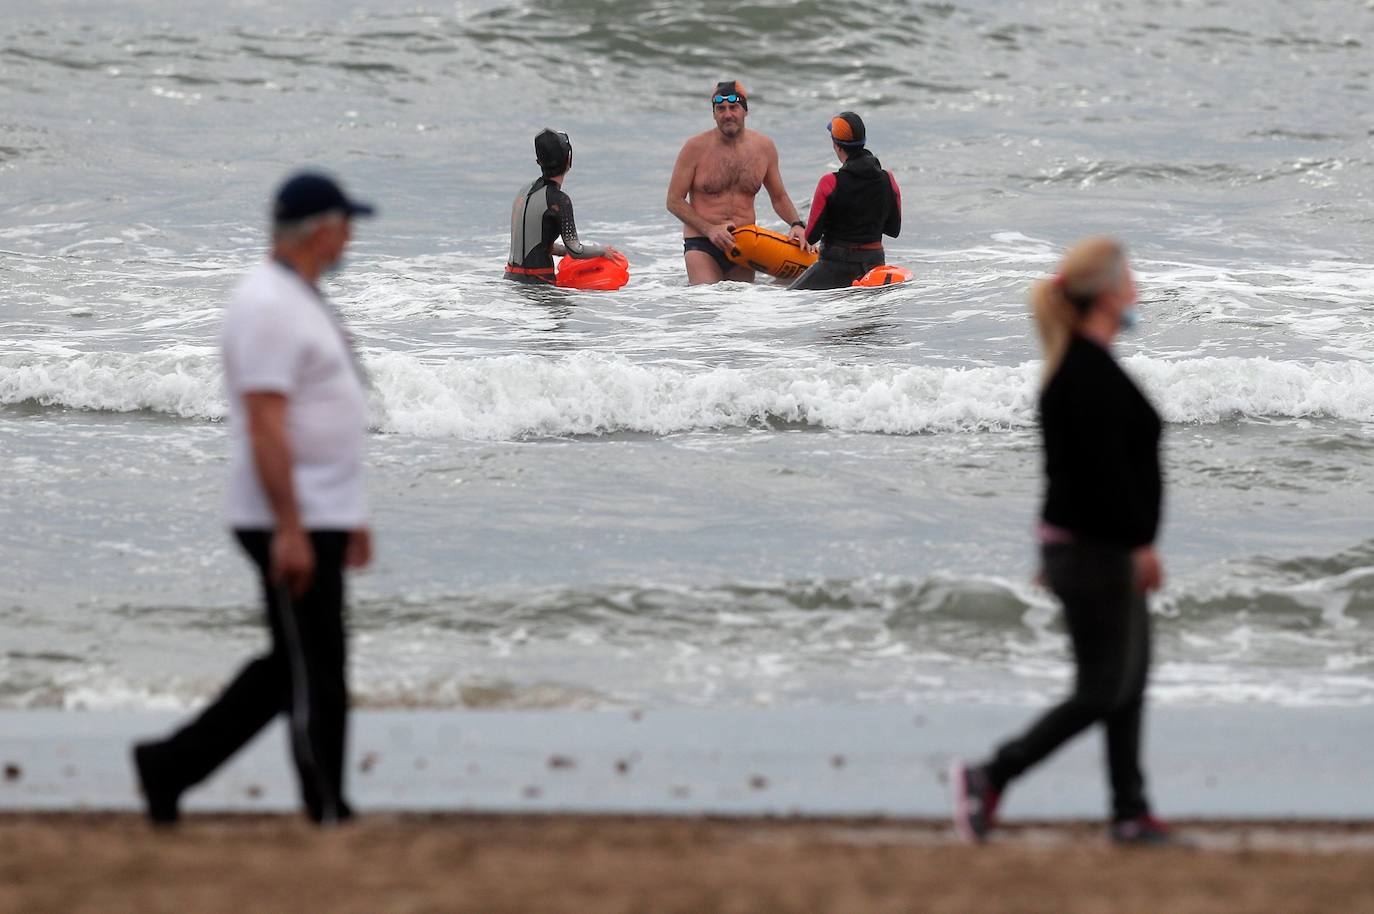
{"x": 769, "y": 252}
{"x": 594, "y": 274}
{"x": 883, "y": 276}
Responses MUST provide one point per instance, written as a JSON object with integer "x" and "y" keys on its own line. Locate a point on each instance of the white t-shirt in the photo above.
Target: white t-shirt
{"x": 279, "y": 337}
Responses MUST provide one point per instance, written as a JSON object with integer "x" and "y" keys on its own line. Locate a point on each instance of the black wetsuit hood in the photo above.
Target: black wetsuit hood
{"x": 862, "y": 163}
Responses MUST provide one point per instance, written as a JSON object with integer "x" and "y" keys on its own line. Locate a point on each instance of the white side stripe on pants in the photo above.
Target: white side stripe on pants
{"x": 300, "y": 708}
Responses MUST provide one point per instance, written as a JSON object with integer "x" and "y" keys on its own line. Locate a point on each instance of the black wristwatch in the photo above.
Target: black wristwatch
{"x": 798, "y": 224}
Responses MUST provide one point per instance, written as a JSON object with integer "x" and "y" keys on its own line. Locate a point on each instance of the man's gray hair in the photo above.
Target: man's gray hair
{"x": 292, "y": 232}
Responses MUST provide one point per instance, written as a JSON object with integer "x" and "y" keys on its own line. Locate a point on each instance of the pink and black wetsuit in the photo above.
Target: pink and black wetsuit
{"x": 852, "y": 210}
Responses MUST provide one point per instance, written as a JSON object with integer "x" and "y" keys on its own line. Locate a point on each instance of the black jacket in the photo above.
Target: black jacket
{"x": 857, "y": 204}
{"x": 1101, "y": 451}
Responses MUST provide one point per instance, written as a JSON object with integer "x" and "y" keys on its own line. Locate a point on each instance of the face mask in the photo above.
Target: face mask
{"x": 1130, "y": 319}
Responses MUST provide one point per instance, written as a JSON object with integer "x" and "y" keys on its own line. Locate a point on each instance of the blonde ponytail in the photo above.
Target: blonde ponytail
{"x": 1089, "y": 268}
{"x": 1055, "y": 319}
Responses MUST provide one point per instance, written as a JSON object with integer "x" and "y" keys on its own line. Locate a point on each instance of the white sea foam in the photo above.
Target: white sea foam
{"x": 531, "y": 396}
{"x": 587, "y": 393}
{"x": 1216, "y": 389}
{"x": 179, "y": 380}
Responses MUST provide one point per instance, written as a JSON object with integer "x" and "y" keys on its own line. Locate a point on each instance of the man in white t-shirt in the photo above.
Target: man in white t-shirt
{"x": 295, "y": 502}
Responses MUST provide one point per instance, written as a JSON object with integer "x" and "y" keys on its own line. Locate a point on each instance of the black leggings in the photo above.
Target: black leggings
{"x": 1109, "y": 626}
{"x": 302, "y": 674}
{"x": 832, "y": 272}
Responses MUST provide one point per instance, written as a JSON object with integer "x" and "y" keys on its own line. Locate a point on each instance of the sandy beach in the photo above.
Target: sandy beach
{"x": 73, "y": 863}
{"x": 690, "y": 811}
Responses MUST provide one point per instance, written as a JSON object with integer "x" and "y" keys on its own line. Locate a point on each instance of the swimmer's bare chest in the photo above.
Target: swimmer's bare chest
{"x": 729, "y": 173}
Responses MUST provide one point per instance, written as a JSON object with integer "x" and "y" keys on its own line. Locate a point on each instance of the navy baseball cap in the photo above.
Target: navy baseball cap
{"x": 310, "y": 193}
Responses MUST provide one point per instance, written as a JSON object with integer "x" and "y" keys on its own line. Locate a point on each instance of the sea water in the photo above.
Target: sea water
{"x": 666, "y": 496}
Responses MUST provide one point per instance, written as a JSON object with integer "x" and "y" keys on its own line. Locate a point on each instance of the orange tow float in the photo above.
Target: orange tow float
{"x": 594, "y": 274}
{"x": 883, "y": 276}
{"x": 767, "y": 251}
{"x": 774, "y": 253}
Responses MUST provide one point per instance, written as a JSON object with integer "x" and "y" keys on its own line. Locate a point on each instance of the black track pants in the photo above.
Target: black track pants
{"x": 1109, "y": 627}
{"x": 303, "y": 674}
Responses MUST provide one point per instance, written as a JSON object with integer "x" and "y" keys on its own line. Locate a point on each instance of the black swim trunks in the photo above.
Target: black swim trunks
{"x": 703, "y": 244}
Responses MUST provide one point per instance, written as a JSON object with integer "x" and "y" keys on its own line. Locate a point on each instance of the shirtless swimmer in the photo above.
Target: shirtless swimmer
{"x": 717, "y": 176}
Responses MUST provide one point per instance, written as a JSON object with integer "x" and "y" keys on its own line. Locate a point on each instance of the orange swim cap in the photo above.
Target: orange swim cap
{"x": 847, "y": 129}
{"x": 727, "y": 88}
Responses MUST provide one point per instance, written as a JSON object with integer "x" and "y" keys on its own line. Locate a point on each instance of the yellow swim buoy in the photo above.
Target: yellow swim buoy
{"x": 769, "y": 252}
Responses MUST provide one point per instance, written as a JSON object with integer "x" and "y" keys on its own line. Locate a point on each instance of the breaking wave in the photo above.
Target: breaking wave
{"x": 528, "y": 396}
{"x": 1284, "y": 639}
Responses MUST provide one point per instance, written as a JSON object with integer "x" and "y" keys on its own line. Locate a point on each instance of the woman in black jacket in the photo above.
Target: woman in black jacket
{"x": 1097, "y": 531}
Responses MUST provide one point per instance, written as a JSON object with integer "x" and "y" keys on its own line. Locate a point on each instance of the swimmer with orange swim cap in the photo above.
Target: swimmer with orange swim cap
{"x": 543, "y": 213}
{"x": 715, "y": 180}
{"x": 852, "y": 210}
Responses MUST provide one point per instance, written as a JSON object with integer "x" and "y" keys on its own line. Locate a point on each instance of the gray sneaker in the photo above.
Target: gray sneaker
{"x": 1142, "y": 831}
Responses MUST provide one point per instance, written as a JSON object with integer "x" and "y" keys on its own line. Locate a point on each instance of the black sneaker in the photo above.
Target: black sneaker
{"x": 975, "y": 802}
{"x": 342, "y": 815}
{"x": 1142, "y": 831}
{"x": 162, "y": 803}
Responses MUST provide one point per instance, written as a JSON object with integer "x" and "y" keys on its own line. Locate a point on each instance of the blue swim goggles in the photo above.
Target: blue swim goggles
{"x": 722, "y": 99}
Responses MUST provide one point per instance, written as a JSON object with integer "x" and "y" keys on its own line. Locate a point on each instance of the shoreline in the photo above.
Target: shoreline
{"x": 1241, "y": 763}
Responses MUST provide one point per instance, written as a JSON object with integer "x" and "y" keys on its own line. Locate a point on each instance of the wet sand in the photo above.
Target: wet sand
{"x": 406, "y": 864}
{"x": 1212, "y": 764}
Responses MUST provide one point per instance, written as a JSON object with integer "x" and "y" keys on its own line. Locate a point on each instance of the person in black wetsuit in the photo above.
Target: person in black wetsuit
{"x": 542, "y": 212}
{"x": 1098, "y": 525}
{"x": 852, "y": 210}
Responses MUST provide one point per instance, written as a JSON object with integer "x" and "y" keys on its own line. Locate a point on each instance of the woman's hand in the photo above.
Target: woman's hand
{"x": 1149, "y": 570}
